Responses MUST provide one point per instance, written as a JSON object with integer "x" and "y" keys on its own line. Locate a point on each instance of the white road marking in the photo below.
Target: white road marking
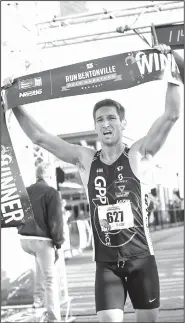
{"x": 171, "y": 291}
{"x": 171, "y": 297}
{"x": 168, "y": 259}
{"x": 178, "y": 273}
{"x": 181, "y": 242}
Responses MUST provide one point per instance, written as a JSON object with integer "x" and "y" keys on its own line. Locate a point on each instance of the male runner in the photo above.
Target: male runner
{"x": 114, "y": 179}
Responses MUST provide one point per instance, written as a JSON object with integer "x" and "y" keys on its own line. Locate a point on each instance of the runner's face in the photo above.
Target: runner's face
{"x": 108, "y": 125}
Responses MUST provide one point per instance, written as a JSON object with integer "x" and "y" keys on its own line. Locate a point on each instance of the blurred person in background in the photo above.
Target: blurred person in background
{"x": 175, "y": 207}
{"x": 67, "y": 244}
{"x": 42, "y": 237}
{"x": 154, "y": 206}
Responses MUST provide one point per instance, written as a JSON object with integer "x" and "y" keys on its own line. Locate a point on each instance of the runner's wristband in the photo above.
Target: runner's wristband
{"x": 173, "y": 80}
{"x": 169, "y": 78}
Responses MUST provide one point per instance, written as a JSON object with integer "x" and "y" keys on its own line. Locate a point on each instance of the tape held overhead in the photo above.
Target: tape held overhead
{"x": 111, "y": 73}
{"x": 104, "y": 74}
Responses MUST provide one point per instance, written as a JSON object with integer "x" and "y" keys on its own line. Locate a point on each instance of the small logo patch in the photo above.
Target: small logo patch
{"x": 121, "y": 188}
{"x": 152, "y": 300}
{"x": 99, "y": 170}
{"x": 119, "y": 168}
{"x": 120, "y": 177}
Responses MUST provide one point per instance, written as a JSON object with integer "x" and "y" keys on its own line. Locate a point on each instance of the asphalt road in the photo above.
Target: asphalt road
{"x": 169, "y": 251}
{"x": 168, "y": 247}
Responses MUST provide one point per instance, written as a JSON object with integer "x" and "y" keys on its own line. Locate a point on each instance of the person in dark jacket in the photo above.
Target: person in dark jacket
{"x": 42, "y": 237}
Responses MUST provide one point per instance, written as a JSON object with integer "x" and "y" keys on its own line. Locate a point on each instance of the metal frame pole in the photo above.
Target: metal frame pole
{"x": 128, "y": 33}
{"x": 50, "y": 44}
{"x": 110, "y": 32}
{"x": 129, "y": 14}
{"x": 105, "y": 13}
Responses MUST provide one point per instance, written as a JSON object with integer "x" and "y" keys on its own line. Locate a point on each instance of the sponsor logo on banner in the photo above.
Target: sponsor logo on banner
{"x": 89, "y": 65}
{"x": 29, "y": 83}
{"x": 30, "y": 93}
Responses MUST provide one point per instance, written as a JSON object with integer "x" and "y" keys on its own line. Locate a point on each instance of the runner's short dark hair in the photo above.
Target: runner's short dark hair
{"x": 109, "y": 102}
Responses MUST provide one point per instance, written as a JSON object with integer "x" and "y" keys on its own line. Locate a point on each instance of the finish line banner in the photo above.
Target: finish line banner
{"x": 111, "y": 73}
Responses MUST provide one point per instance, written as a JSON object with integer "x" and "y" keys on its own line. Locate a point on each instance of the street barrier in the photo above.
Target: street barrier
{"x": 79, "y": 237}
{"x": 80, "y": 232}
{"x": 65, "y": 299}
{"x": 160, "y": 219}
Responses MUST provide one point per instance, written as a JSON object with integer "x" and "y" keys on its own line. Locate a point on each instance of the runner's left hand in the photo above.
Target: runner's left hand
{"x": 164, "y": 49}
{"x": 7, "y": 82}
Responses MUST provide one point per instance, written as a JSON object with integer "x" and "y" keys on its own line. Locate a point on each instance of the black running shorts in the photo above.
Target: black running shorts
{"x": 138, "y": 277}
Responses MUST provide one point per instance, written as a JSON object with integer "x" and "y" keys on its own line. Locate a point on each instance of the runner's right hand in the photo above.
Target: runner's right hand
{"x": 164, "y": 49}
{"x": 8, "y": 81}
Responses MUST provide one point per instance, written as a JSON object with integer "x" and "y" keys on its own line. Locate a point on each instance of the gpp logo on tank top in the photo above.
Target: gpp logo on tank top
{"x": 100, "y": 186}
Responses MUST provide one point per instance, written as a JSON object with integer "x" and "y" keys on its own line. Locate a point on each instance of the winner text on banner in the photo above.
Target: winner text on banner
{"x": 15, "y": 204}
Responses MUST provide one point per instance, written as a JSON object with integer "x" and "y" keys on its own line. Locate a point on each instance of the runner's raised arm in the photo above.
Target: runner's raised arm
{"x": 65, "y": 151}
{"x": 160, "y": 129}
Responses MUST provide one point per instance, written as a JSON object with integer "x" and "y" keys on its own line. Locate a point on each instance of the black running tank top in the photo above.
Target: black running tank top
{"x": 118, "y": 211}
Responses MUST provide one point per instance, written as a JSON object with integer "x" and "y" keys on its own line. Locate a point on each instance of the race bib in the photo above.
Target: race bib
{"x": 116, "y": 216}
